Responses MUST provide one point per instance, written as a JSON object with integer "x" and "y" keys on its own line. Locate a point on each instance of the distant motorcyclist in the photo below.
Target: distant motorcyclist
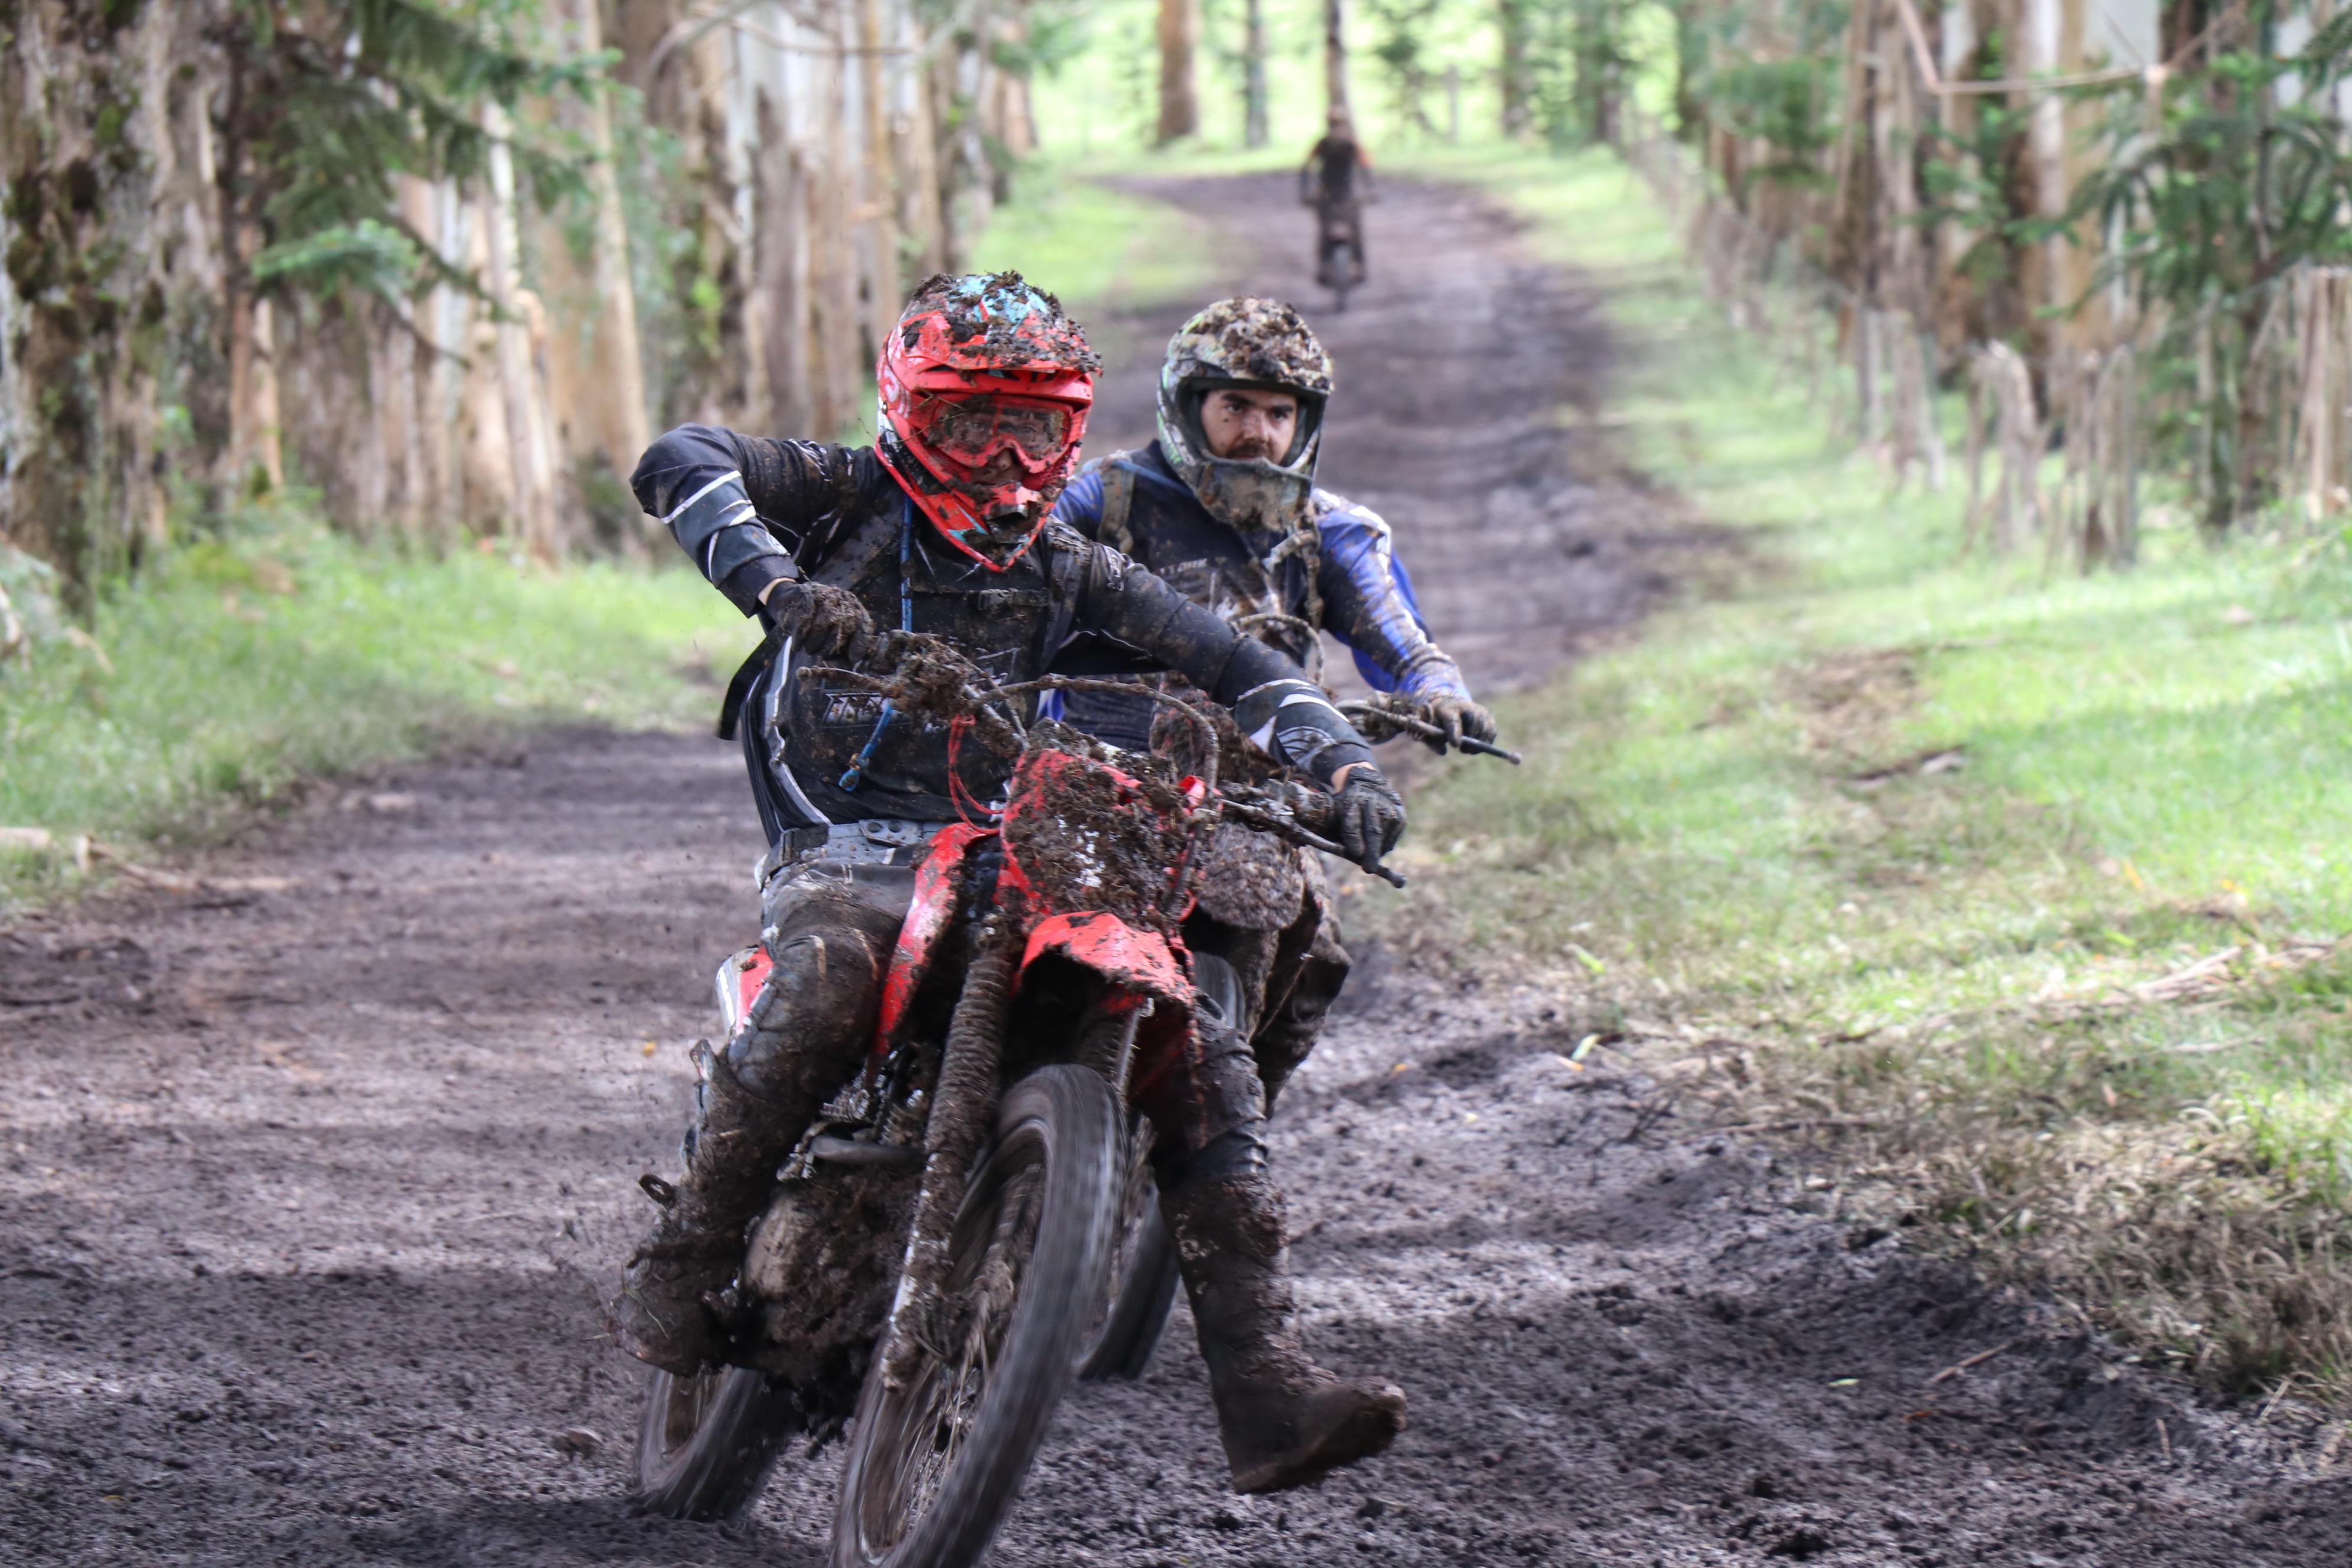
{"x": 1224, "y": 508}
{"x": 940, "y": 528}
{"x": 1337, "y": 181}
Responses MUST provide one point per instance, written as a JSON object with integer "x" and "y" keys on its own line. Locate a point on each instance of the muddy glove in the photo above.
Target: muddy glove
{"x": 825, "y": 622}
{"x": 1457, "y": 716}
{"x": 1371, "y": 815}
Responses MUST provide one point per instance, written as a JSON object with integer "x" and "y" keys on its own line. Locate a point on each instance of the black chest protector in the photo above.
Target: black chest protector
{"x": 1263, "y": 587}
{"x": 849, "y": 755}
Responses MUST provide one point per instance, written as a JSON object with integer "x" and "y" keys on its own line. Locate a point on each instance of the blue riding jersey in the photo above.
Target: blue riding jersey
{"x": 1353, "y": 586}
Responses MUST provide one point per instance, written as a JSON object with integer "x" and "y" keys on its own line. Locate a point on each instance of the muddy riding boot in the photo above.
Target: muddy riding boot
{"x": 1285, "y": 1420}
{"x": 663, "y": 1315}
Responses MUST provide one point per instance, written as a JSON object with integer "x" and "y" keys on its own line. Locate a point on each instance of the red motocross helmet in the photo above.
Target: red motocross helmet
{"x": 984, "y": 387}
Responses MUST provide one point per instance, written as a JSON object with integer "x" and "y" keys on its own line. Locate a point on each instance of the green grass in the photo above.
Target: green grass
{"x": 2157, "y": 767}
{"x": 1097, "y": 248}
{"x": 241, "y": 667}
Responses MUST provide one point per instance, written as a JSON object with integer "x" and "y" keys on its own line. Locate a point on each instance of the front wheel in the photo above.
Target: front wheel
{"x": 1341, "y": 275}
{"x": 934, "y": 1466}
{"x": 707, "y": 1444}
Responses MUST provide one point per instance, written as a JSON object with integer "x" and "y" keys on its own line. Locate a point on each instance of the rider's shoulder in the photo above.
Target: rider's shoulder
{"x": 1095, "y": 466}
{"x": 1061, "y": 537}
{"x": 1333, "y": 511}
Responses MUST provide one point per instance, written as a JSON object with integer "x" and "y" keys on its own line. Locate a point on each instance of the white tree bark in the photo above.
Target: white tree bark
{"x": 530, "y": 449}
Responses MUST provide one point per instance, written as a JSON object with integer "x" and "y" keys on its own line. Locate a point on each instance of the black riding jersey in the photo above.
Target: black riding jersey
{"x": 1334, "y": 161}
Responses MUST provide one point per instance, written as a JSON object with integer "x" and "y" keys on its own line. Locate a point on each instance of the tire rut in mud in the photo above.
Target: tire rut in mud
{"x": 315, "y": 1178}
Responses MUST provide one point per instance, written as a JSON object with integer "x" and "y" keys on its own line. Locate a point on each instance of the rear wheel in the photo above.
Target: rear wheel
{"x": 933, "y": 1467}
{"x": 1141, "y": 1284}
{"x": 707, "y": 1444}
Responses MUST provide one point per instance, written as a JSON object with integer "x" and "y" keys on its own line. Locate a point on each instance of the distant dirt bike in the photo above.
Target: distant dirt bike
{"x": 1335, "y": 270}
{"x": 969, "y": 1224}
{"x": 1339, "y": 249}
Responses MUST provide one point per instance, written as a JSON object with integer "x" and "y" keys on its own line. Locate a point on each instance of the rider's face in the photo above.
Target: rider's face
{"x": 1242, "y": 423}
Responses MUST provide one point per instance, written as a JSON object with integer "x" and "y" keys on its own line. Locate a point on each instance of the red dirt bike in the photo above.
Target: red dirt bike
{"x": 969, "y": 1224}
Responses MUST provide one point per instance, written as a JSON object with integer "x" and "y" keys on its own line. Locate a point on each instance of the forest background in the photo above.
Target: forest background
{"x": 1987, "y": 846}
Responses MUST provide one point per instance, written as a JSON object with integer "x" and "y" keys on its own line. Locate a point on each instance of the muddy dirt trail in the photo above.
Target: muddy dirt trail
{"x": 314, "y": 1176}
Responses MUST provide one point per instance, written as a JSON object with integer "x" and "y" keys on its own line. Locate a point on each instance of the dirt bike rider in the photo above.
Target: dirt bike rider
{"x": 1224, "y": 508}
{"x": 940, "y": 528}
{"x": 1335, "y": 181}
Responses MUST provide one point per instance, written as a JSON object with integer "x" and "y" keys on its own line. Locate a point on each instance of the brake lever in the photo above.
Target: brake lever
{"x": 1288, "y": 828}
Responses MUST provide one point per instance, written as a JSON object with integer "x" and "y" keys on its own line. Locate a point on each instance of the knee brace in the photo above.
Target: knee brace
{"x": 817, "y": 1012}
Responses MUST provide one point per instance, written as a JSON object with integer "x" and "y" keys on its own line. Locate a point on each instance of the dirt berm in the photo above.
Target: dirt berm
{"x": 315, "y": 1174}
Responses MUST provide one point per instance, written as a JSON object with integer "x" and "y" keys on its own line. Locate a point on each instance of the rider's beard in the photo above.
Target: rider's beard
{"x": 1247, "y": 448}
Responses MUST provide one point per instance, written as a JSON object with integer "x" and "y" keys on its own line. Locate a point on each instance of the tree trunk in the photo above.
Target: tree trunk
{"x": 2039, "y": 54}
{"x": 527, "y": 443}
{"x": 834, "y": 334}
{"x": 1596, "y": 70}
{"x": 1515, "y": 73}
{"x": 925, "y": 216}
{"x": 92, "y": 175}
{"x": 254, "y": 459}
{"x": 885, "y": 290}
{"x": 1253, "y": 125}
{"x": 1690, "y": 61}
{"x": 1334, "y": 58}
{"x": 616, "y": 418}
{"x": 1180, "y": 105}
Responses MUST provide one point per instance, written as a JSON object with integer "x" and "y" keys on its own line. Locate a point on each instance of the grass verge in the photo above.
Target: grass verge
{"x": 216, "y": 683}
{"x": 2014, "y": 900}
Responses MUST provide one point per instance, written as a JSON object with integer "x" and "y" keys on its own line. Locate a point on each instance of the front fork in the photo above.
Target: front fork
{"x": 961, "y": 1112}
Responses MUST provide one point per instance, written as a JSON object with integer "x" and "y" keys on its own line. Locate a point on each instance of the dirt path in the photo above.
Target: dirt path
{"x": 1469, "y": 383}
{"x": 313, "y": 1177}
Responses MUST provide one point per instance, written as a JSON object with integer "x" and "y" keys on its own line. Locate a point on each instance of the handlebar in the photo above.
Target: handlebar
{"x": 1303, "y": 817}
{"x": 927, "y": 672}
{"x": 1369, "y": 717}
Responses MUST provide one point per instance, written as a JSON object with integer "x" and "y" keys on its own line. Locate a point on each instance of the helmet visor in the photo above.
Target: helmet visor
{"x": 970, "y": 430}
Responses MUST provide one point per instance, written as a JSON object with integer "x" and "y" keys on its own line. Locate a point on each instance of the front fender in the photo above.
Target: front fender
{"x": 1137, "y": 961}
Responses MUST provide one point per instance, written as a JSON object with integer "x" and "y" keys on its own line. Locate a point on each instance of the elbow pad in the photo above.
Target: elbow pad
{"x": 718, "y": 527}
{"x": 1292, "y": 722}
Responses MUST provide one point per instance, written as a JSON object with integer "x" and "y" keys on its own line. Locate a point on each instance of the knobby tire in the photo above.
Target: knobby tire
{"x": 707, "y": 1445}
{"x": 1037, "y": 1221}
{"x": 1140, "y": 1283}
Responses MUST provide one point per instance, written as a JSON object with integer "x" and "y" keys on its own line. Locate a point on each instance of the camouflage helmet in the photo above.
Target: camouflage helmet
{"x": 1251, "y": 343}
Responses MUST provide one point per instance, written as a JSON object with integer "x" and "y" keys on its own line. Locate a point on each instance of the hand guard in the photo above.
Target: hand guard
{"x": 1371, "y": 814}
{"x": 1458, "y": 717}
{"x": 824, "y": 621}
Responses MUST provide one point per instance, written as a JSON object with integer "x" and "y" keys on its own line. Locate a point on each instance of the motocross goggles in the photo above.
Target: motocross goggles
{"x": 971, "y": 431}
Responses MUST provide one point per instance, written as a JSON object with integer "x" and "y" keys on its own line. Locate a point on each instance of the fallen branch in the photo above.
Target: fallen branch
{"x": 1794, "y": 1125}
{"x": 1977, "y": 1360}
{"x": 179, "y": 882}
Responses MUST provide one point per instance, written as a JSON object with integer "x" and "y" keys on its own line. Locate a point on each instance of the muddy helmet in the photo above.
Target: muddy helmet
{"x": 984, "y": 387}
{"x": 1250, "y": 343}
